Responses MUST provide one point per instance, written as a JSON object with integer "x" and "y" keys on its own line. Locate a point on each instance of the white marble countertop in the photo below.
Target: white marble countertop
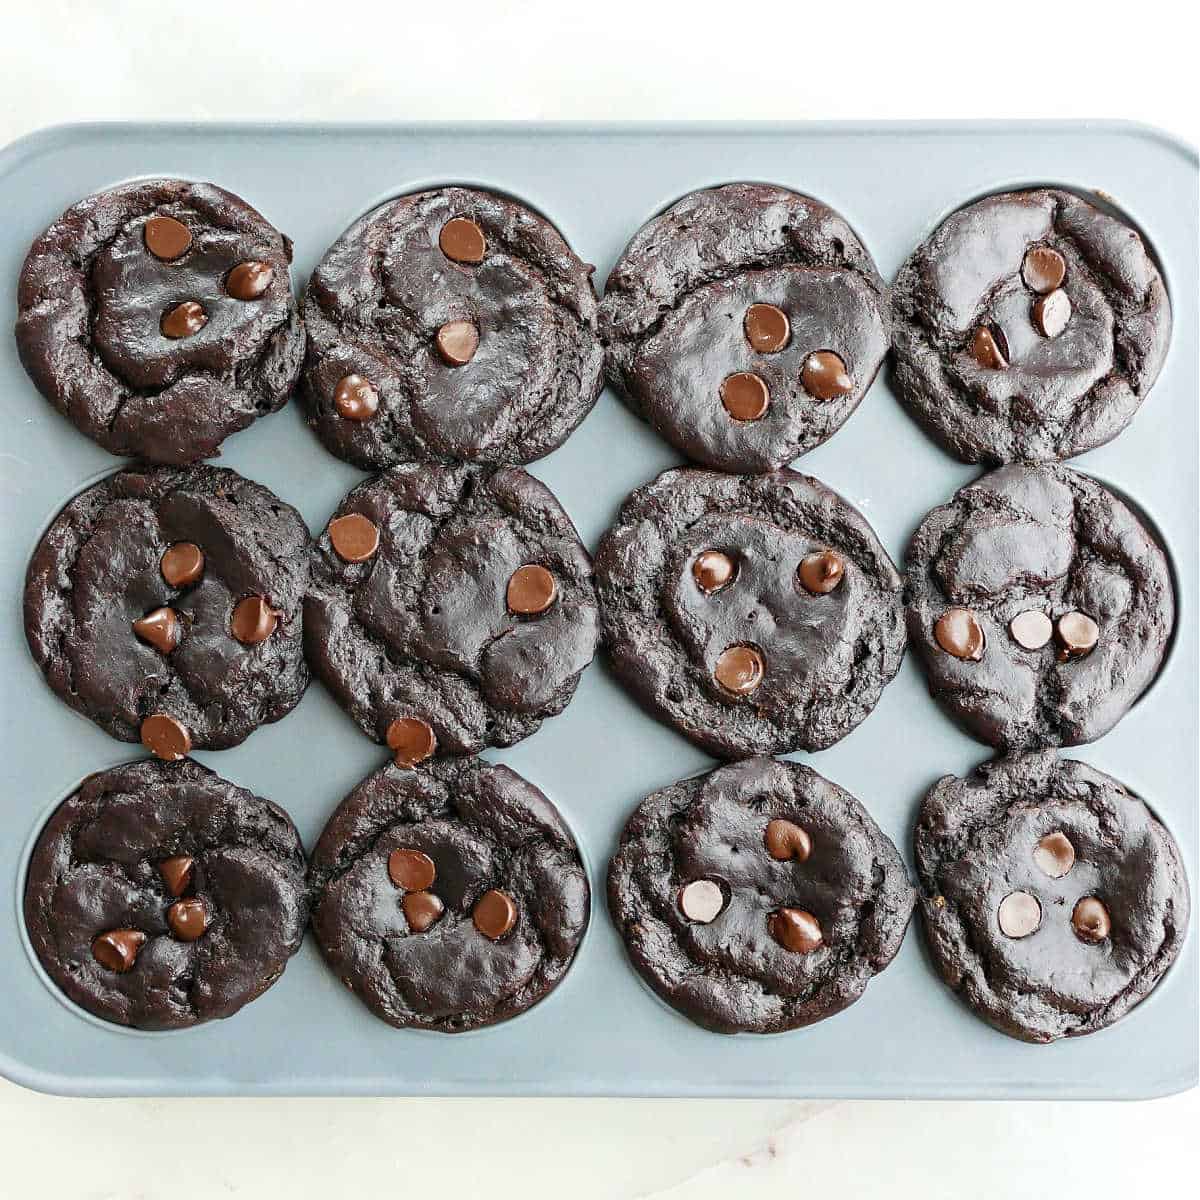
{"x": 502, "y": 59}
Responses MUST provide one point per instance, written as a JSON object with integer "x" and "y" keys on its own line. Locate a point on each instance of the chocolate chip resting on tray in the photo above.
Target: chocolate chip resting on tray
{"x": 745, "y": 323}
{"x": 451, "y": 608}
{"x": 159, "y": 895}
{"x": 164, "y": 603}
{"x": 452, "y": 324}
{"x": 158, "y": 317}
{"x": 752, "y": 613}
{"x": 1053, "y": 899}
{"x": 1029, "y": 325}
{"x": 757, "y": 898}
{"x": 1040, "y": 606}
{"x": 448, "y": 898}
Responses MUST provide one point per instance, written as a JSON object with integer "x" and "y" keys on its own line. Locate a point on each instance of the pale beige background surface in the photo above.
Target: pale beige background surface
{"x": 610, "y": 60}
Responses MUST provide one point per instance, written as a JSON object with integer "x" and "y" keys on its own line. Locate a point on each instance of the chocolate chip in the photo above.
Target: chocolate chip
{"x": 254, "y": 620}
{"x": 355, "y": 398}
{"x": 183, "y": 320}
{"x": 117, "y": 950}
{"x": 166, "y": 737}
{"x": 412, "y": 870}
{"x": 739, "y": 669}
{"x": 786, "y": 840}
{"x": 1043, "y": 269}
{"x": 411, "y": 740}
{"x": 457, "y": 342}
{"x": 166, "y": 238}
{"x": 712, "y": 571}
{"x": 767, "y": 328}
{"x": 1052, "y": 313}
{"x": 796, "y": 930}
{"x": 177, "y": 873}
{"x": 354, "y": 537}
{"x": 188, "y": 919}
{"x": 421, "y": 910}
{"x": 1031, "y": 629}
{"x": 1054, "y": 854}
{"x": 1091, "y": 921}
{"x": 825, "y": 376}
{"x": 249, "y": 280}
{"x": 531, "y": 590}
{"x": 987, "y": 351}
{"x": 745, "y": 396}
{"x": 1019, "y": 915}
{"x": 958, "y": 632}
{"x": 159, "y": 629}
{"x": 1077, "y": 635}
{"x": 461, "y": 240}
{"x": 701, "y": 901}
{"x": 494, "y": 914}
{"x": 182, "y": 564}
{"x": 820, "y": 573}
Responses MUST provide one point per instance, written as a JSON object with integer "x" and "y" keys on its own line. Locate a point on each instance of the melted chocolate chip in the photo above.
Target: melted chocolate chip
{"x": 117, "y": 950}
{"x": 249, "y": 280}
{"x": 712, "y": 571}
{"x": 411, "y": 741}
{"x": 820, "y": 573}
{"x": 1052, "y": 313}
{"x": 494, "y": 914}
{"x": 786, "y": 840}
{"x": 824, "y": 375}
{"x": 188, "y": 918}
{"x": 745, "y": 396}
{"x": 1031, "y": 629}
{"x": 987, "y": 351}
{"x": 182, "y": 564}
{"x": 254, "y": 620}
{"x": 177, "y": 873}
{"x": 796, "y": 930}
{"x": 166, "y": 737}
{"x": 701, "y": 901}
{"x": 1091, "y": 921}
{"x": 421, "y": 910}
{"x": 355, "y": 538}
{"x": 739, "y": 669}
{"x": 531, "y": 590}
{"x": 461, "y": 240}
{"x": 958, "y": 632}
{"x": 1043, "y": 269}
{"x": 1019, "y": 915}
{"x": 166, "y": 238}
{"x": 184, "y": 320}
{"x": 412, "y": 870}
{"x": 1054, "y": 854}
{"x": 159, "y": 629}
{"x": 1077, "y": 635}
{"x": 355, "y": 398}
{"x": 457, "y": 342}
{"x": 767, "y": 328}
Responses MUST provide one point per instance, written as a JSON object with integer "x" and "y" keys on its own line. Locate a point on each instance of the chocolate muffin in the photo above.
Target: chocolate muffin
{"x": 1029, "y": 325}
{"x": 158, "y": 317}
{"x": 450, "y": 325}
{"x": 1053, "y": 899}
{"x": 1040, "y": 606}
{"x": 451, "y": 608}
{"x": 448, "y": 897}
{"x": 164, "y": 603}
{"x": 751, "y": 613}
{"x": 757, "y": 898}
{"x": 160, "y": 895}
{"x": 745, "y": 323}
